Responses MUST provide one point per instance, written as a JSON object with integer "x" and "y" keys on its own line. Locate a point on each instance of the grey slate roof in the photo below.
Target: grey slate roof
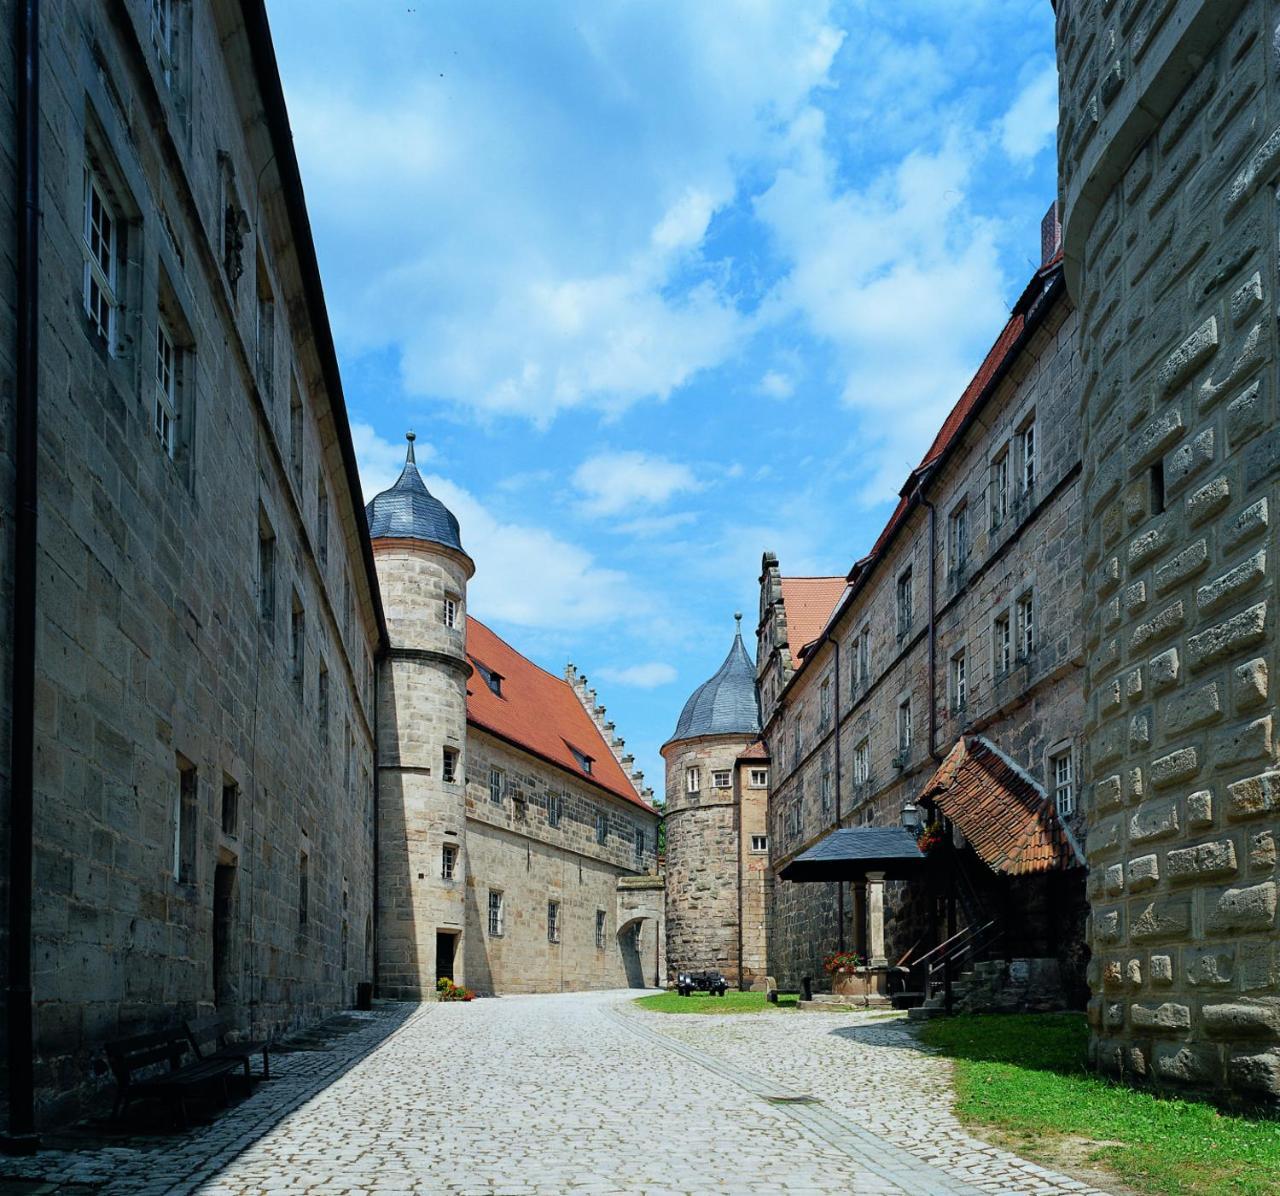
{"x": 409, "y": 511}
{"x": 727, "y": 703}
{"x": 852, "y": 851}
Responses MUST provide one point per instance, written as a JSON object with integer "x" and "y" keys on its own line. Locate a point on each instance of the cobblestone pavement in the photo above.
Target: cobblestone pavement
{"x": 579, "y": 1093}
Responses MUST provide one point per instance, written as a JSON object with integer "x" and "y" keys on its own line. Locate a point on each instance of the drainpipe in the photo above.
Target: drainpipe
{"x": 21, "y": 1138}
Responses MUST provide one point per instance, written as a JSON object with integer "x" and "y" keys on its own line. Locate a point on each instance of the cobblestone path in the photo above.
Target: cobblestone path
{"x": 577, "y": 1094}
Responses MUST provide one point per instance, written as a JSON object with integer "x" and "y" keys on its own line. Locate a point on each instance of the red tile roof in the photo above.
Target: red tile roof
{"x": 808, "y": 602}
{"x": 757, "y": 751}
{"x": 1000, "y": 810}
{"x": 540, "y": 713}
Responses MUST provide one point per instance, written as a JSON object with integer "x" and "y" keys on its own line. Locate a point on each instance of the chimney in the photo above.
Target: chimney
{"x": 1050, "y": 235}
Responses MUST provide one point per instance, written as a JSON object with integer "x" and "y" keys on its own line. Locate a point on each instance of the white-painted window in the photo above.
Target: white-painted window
{"x": 759, "y": 844}
{"x": 495, "y": 786}
{"x": 449, "y": 766}
{"x": 101, "y": 259}
{"x": 1027, "y": 441}
{"x": 495, "y": 913}
{"x": 824, "y": 701}
{"x": 862, "y": 763}
{"x": 555, "y": 808}
{"x": 905, "y": 603}
{"x": 759, "y": 778}
{"x": 1000, "y": 489}
{"x": 1002, "y": 641}
{"x": 958, "y": 537}
{"x": 641, "y": 843}
{"x": 553, "y": 921}
{"x": 692, "y": 780}
{"x": 163, "y": 36}
{"x": 450, "y": 611}
{"x": 165, "y": 404}
{"x": 959, "y": 681}
{"x": 448, "y": 860}
{"x": 826, "y": 791}
{"x": 721, "y": 778}
{"x": 1026, "y": 624}
{"x": 904, "y": 728}
{"x": 1064, "y": 792}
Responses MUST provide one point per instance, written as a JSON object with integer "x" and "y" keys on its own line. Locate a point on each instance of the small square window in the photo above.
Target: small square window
{"x": 759, "y": 778}
{"x": 722, "y": 778}
{"x": 759, "y": 843}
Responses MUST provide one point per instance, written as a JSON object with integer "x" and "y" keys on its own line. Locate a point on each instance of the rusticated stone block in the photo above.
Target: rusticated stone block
{"x": 1212, "y": 498}
{"x": 1257, "y": 1073}
{"x": 1187, "y": 1063}
{"x": 1200, "y": 809}
{"x": 1251, "y": 908}
{"x": 1144, "y": 873}
{"x": 1262, "y": 851}
{"x": 1209, "y": 967}
{"x": 1250, "y": 687}
{"x": 1177, "y": 766}
{"x": 1246, "y": 1018}
{"x": 1189, "y": 562}
{"x": 1251, "y": 522}
{"x": 1194, "y": 708}
{"x": 1162, "y": 920}
{"x": 1254, "y": 796}
{"x": 1207, "y": 861}
{"x": 1216, "y": 594}
{"x": 1237, "y": 745}
{"x": 1167, "y": 1018}
{"x": 1188, "y": 356}
{"x": 1165, "y": 669}
{"x": 1154, "y": 820}
{"x": 1161, "y": 969}
{"x": 1224, "y": 639}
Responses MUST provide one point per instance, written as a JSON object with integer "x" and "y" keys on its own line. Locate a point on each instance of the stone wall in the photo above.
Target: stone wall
{"x": 1032, "y": 710}
{"x": 1169, "y": 157}
{"x": 203, "y": 798}
{"x": 704, "y": 856}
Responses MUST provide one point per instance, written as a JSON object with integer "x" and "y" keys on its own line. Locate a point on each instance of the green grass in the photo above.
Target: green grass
{"x": 1026, "y": 1075}
{"x": 731, "y": 1002}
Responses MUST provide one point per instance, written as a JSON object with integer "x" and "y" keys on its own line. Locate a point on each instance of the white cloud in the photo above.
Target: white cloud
{"x": 640, "y": 676}
{"x": 617, "y": 482}
{"x": 776, "y": 385}
{"x": 1032, "y": 120}
{"x": 380, "y": 461}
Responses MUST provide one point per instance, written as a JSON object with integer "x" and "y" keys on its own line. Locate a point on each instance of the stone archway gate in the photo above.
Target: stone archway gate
{"x": 642, "y": 899}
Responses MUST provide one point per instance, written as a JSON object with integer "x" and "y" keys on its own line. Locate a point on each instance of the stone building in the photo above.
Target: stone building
{"x": 945, "y": 669}
{"x": 516, "y": 853}
{"x": 717, "y": 859}
{"x": 1169, "y": 159}
{"x": 207, "y": 613}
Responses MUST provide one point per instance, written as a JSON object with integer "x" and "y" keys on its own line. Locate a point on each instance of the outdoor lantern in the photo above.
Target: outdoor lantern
{"x": 911, "y": 819}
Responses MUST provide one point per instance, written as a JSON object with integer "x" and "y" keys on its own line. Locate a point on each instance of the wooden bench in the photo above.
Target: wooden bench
{"x": 137, "y": 1063}
{"x": 208, "y": 1037}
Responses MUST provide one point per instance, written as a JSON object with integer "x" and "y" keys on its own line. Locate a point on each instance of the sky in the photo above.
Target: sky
{"x": 661, "y": 286}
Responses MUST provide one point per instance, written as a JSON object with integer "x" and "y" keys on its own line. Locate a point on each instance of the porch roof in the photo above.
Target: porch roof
{"x": 851, "y": 852}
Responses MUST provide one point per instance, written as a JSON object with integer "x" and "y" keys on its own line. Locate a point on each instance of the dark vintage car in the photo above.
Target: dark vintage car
{"x": 706, "y": 982}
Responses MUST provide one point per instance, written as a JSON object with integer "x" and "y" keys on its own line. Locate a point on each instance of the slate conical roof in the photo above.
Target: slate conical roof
{"x": 727, "y": 703}
{"x": 409, "y": 511}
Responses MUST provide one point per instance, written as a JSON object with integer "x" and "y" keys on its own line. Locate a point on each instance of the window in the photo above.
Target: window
{"x": 322, "y": 703}
{"x": 495, "y": 913}
{"x": 904, "y": 728}
{"x": 322, "y": 522}
{"x": 266, "y": 572}
{"x": 495, "y": 786}
{"x": 797, "y": 744}
{"x": 958, "y": 537}
{"x": 1156, "y": 475}
{"x": 864, "y": 656}
{"x": 862, "y": 763}
{"x": 491, "y": 679}
{"x": 1000, "y": 489}
{"x": 904, "y": 603}
{"x": 295, "y": 436}
{"x": 602, "y": 827}
{"x": 304, "y": 887}
{"x": 448, "y": 860}
{"x": 555, "y": 808}
{"x": 759, "y": 778}
{"x": 959, "y": 681}
{"x": 185, "y": 809}
{"x": 449, "y": 766}
{"x": 826, "y": 792}
{"x": 797, "y": 818}
{"x": 230, "y": 805}
{"x": 759, "y": 844}
{"x": 298, "y": 642}
{"x": 450, "y": 613}
{"x": 692, "y": 780}
{"x": 1026, "y": 625}
{"x": 266, "y": 335}
{"x": 553, "y": 921}
{"x": 1002, "y": 638}
{"x": 824, "y": 702}
{"x": 1027, "y": 440}
{"x": 600, "y": 929}
{"x": 101, "y": 260}
{"x": 640, "y": 846}
{"x": 1064, "y": 794}
{"x": 721, "y": 778}
{"x": 584, "y": 761}
{"x": 165, "y": 405}
{"x": 162, "y": 36}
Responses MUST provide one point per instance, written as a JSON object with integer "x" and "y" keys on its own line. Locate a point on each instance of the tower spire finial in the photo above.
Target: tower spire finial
{"x": 410, "y": 437}
{"x": 737, "y": 618}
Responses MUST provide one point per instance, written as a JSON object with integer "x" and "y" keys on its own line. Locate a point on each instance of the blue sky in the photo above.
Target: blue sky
{"x": 662, "y": 285}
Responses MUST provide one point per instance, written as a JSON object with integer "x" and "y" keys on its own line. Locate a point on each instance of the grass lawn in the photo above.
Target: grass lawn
{"x": 731, "y": 1002}
{"x": 1026, "y": 1076}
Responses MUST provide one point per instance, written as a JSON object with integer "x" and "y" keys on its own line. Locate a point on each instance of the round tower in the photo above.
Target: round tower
{"x": 709, "y": 770}
{"x": 422, "y": 721}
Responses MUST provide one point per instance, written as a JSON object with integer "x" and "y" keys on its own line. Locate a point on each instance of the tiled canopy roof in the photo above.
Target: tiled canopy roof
{"x": 808, "y": 602}
{"x": 1000, "y": 810}
{"x": 757, "y": 751}
{"x": 726, "y": 704}
{"x": 409, "y": 511}
{"x": 538, "y": 712}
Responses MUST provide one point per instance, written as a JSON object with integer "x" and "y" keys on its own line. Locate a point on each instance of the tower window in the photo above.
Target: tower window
{"x": 692, "y": 780}
{"x": 450, "y": 613}
{"x": 759, "y": 844}
{"x": 449, "y": 766}
{"x": 448, "y": 860}
{"x": 722, "y": 778}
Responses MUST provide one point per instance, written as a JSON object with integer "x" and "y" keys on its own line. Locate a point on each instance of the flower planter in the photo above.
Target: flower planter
{"x": 852, "y": 983}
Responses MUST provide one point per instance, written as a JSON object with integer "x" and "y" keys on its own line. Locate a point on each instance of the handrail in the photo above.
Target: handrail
{"x": 959, "y": 934}
{"x": 963, "y": 949}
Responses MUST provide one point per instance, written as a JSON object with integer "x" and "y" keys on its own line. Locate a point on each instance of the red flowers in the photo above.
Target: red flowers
{"x": 446, "y": 990}
{"x": 842, "y": 961}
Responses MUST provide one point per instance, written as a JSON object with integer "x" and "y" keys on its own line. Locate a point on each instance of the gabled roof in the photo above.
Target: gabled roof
{"x": 540, "y": 713}
{"x": 1005, "y": 816}
{"x": 757, "y": 751}
{"x": 808, "y": 602}
{"x": 726, "y": 703}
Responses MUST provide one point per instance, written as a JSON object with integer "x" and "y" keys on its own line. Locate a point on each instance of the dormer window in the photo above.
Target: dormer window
{"x": 491, "y": 679}
{"x": 584, "y": 761}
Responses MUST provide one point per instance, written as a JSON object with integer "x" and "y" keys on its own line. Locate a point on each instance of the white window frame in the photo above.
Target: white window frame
{"x": 1062, "y": 772}
{"x": 759, "y": 778}
{"x": 906, "y": 601}
{"x": 1026, "y": 612}
{"x": 100, "y": 241}
{"x": 959, "y": 680}
{"x": 721, "y": 778}
{"x": 163, "y": 18}
{"x": 449, "y": 765}
{"x": 760, "y": 844}
{"x": 1002, "y": 643}
{"x": 448, "y": 861}
{"x": 692, "y": 780}
{"x": 862, "y": 763}
{"x": 164, "y": 420}
{"x": 904, "y": 727}
{"x": 449, "y": 611}
{"x": 495, "y": 785}
{"x": 495, "y": 923}
{"x": 1000, "y": 488}
{"x": 1027, "y": 445}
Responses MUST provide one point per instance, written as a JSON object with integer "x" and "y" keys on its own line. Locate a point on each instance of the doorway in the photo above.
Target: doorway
{"x": 224, "y": 899}
{"x": 446, "y": 953}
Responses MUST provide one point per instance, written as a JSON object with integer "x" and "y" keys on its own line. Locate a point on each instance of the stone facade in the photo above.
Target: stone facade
{"x": 834, "y": 721}
{"x": 1169, "y": 157}
{"x": 206, "y": 620}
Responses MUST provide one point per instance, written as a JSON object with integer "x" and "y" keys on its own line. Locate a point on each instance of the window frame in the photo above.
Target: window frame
{"x": 1000, "y": 477}
{"x": 553, "y": 921}
{"x": 905, "y": 728}
{"x": 495, "y": 922}
{"x": 449, "y": 760}
{"x": 1056, "y": 760}
{"x": 1025, "y": 611}
{"x": 906, "y": 601}
{"x": 602, "y": 828}
{"x": 758, "y": 778}
{"x": 1027, "y": 448}
{"x": 959, "y": 679}
{"x": 1002, "y": 643}
{"x": 693, "y": 779}
{"x": 449, "y": 608}
{"x": 958, "y": 537}
{"x": 496, "y": 788}
{"x": 862, "y": 761}
{"x": 759, "y": 844}
{"x": 165, "y": 402}
{"x": 106, "y": 279}
{"x": 602, "y": 929}
{"x": 555, "y": 809}
{"x": 717, "y": 774}
{"x": 448, "y": 861}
